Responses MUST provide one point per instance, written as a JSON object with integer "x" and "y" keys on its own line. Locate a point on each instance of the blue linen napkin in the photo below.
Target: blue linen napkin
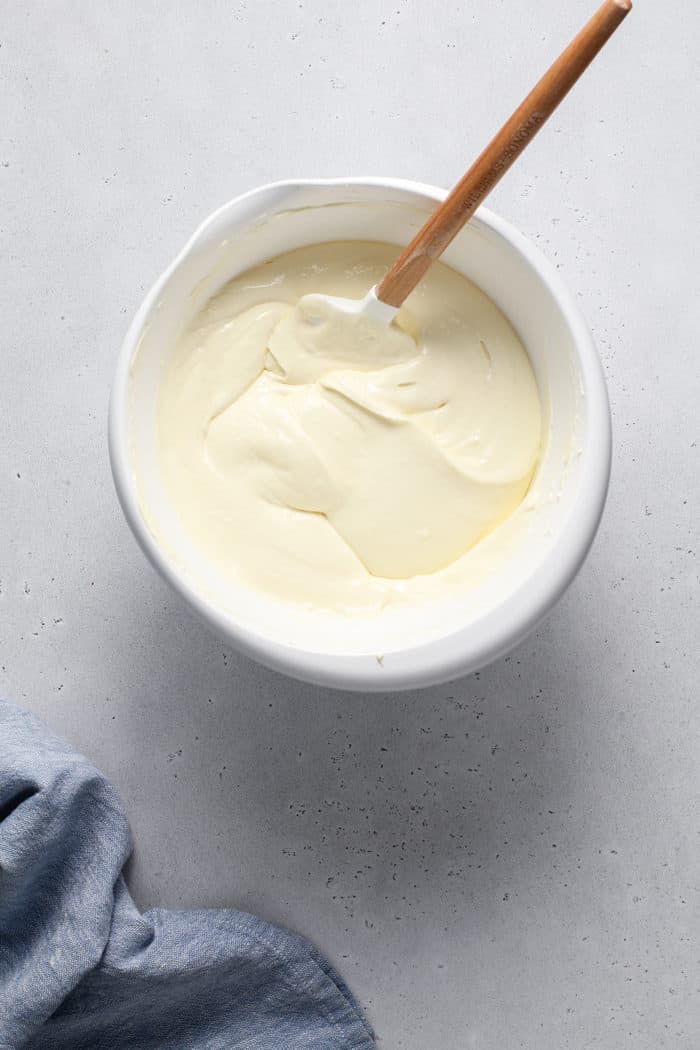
{"x": 82, "y": 969}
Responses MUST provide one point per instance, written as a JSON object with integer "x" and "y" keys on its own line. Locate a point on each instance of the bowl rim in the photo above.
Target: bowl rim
{"x": 466, "y": 649}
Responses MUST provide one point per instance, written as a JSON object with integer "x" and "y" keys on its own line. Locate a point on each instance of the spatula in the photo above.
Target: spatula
{"x": 382, "y": 302}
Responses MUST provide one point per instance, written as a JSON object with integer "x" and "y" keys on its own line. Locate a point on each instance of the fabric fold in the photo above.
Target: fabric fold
{"x": 82, "y": 969}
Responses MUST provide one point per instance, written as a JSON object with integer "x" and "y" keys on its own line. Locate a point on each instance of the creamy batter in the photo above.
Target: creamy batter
{"x": 340, "y": 465}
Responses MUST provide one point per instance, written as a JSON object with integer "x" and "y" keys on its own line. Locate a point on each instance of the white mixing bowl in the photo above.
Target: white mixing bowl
{"x": 564, "y": 504}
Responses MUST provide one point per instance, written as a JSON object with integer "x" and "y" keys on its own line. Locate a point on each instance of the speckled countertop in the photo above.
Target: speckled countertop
{"x": 511, "y": 861}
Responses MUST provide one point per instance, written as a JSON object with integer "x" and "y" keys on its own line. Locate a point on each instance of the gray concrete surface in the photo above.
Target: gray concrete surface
{"x": 511, "y": 861}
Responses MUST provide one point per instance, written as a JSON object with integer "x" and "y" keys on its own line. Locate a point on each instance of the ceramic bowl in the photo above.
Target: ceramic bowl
{"x": 565, "y": 502}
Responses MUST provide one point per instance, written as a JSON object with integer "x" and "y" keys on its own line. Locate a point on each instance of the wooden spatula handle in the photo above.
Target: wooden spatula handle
{"x": 443, "y": 225}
